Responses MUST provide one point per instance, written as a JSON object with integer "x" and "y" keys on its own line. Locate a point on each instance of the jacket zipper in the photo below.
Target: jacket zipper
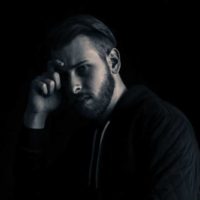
{"x": 98, "y": 155}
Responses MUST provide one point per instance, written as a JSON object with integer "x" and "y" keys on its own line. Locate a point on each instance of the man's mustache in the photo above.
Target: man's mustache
{"x": 80, "y": 97}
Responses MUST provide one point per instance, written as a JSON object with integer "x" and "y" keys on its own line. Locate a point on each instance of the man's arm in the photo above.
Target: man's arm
{"x": 174, "y": 159}
{"x": 30, "y": 163}
{"x": 30, "y": 158}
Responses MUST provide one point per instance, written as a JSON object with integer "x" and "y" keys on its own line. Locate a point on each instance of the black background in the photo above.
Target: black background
{"x": 157, "y": 41}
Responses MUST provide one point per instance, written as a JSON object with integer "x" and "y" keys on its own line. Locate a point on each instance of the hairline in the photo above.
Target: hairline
{"x": 95, "y": 40}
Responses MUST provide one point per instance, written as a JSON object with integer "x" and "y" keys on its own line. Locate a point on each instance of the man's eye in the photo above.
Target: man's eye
{"x": 82, "y": 69}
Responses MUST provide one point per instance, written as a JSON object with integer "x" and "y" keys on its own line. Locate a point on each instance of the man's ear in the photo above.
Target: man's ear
{"x": 114, "y": 61}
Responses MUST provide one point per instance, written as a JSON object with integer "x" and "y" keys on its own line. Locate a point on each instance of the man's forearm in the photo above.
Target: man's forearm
{"x": 35, "y": 120}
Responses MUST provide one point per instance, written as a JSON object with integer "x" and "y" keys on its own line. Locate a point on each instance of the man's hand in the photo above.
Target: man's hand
{"x": 44, "y": 97}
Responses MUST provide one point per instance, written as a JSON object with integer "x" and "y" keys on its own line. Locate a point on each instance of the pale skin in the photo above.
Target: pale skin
{"x": 45, "y": 97}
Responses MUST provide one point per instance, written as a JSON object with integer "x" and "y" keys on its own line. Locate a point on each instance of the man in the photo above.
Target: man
{"x": 87, "y": 136}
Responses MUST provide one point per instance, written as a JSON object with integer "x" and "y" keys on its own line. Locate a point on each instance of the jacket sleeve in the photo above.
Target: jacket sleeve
{"x": 174, "y": 158}
{"x": 29, "y": 164}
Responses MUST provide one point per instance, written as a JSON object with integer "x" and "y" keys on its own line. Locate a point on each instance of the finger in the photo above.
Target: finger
{"x": 45, "y": 83}
{"x": 56, "y": 78}
{"x": 39, "y": 86}
{"x": 50, "y": 85}
{"x": 42, "y": 87}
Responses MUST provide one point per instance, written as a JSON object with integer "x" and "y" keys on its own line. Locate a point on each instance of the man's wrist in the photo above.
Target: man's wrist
{"x": 35, "y": 120}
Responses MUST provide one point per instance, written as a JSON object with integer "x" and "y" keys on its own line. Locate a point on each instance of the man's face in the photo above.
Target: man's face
{"x": 86, "y": 78}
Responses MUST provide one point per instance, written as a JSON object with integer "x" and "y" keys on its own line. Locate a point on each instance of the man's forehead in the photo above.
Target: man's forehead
{"x": 80, "y": 45}
{"x": 66, "y": 62}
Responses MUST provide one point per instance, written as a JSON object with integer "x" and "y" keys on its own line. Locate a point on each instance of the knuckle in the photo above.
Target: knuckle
{"x": 51, "y": 82}
{"x": 43, "y": 85}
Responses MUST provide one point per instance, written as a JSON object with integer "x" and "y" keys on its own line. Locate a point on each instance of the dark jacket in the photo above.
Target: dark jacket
{"x": 147, "y": 150}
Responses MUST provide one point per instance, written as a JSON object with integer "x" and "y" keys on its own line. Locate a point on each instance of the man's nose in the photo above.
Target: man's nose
{"x": 75, "y": 85}
{"x": 76, "y": 89}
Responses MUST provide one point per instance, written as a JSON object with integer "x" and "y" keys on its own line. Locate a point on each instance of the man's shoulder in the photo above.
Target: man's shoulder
{"x": 149, "y": 119}
{"x": 140, "y": 104}
{"x": 140, "y": 98}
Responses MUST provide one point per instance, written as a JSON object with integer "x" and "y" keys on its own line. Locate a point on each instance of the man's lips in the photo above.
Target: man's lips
{"x": 82, "y": 98}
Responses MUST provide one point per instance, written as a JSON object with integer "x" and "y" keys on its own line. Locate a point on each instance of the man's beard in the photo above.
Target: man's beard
{"x": 99, "y": 104}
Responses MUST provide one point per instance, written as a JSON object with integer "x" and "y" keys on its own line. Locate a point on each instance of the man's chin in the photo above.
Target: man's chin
{"x": 87, "y": 112}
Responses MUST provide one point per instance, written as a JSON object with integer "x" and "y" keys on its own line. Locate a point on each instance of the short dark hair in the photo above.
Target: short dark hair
{"x": 87, "y": 25}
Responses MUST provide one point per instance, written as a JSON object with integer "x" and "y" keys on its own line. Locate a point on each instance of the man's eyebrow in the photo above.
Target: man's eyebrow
{"x": 78, "y": 64}
{"x": 59, "y": 67}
